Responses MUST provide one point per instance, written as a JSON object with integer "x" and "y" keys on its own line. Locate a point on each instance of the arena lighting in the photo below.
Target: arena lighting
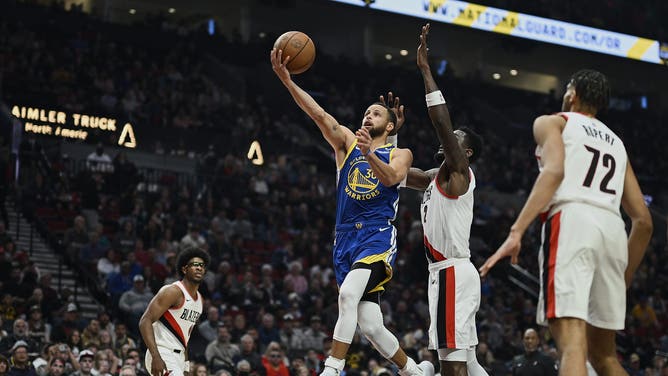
{"x": 496, "y": 76}
{"x": 262, "y": 34}
{"x": 388, "y": 56}
{"x": 403, "y": 52}
{"x": 521, "y": 25}
{"x": 513, "y": 72}
{"x": 171, "y": 10}
{"x": 132, "y": 11}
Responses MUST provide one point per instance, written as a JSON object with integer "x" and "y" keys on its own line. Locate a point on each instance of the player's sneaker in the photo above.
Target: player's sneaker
{"x": 330, "y": 371}
{"x": 427, "y": 368}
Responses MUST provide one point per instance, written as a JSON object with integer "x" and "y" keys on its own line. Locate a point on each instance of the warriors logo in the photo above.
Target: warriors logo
{"x": 362, "y": 182}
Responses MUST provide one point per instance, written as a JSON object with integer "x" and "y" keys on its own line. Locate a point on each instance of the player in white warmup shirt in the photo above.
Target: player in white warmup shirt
{"x": 586, "y": 259}
{"x": 171, "y": 315}
{"x": 447, "y": 214}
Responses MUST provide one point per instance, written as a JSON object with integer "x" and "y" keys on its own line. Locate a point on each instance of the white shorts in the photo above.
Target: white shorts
{"x": 175, "y": 362}
{"x": 582, "y": 259}
{"x": 454, "y": 299}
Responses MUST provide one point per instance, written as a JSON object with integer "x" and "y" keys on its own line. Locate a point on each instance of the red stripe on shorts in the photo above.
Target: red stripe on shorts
{"x": 551, "y": 265}
{"x": 450, "y": 307}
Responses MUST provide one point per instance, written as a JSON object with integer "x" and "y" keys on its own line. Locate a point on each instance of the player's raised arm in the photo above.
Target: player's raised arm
{"x": 547, "y": 133}
{"x": 418, "y": 179}
{"x": 167, "y": 297}
{"x": 454, "y": 176}
{"x": 633, "y": 203}
{"x": 337, "y": 135}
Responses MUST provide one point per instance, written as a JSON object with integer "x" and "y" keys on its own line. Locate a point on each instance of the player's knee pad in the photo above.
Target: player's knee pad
{"x": 370, "y": 320}
{"x": 453, "y": 355}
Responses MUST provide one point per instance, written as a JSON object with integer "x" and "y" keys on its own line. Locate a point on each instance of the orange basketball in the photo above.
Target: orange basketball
{"x": 299, "y": 47}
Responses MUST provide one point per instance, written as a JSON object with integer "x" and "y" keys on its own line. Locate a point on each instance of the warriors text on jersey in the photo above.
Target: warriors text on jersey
{"x": 360, "y": 197}
{"x": 173, "y": 329}
{"x": 594, "y": 164}
{"x": 447, "y": 222}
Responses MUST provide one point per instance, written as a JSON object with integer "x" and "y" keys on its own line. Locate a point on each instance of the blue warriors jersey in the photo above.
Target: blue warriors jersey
{"x": 365, "y": 208}
{"x": 360, "y": 197}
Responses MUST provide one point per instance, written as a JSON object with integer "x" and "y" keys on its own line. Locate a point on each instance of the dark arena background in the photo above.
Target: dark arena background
{"x": 131, "y": 129}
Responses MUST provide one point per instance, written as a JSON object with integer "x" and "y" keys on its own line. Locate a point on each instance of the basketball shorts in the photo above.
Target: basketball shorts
{"x": 175, "y": 362}
{"x": 454, "y": 299}
{"x": 582, "y": 260}
{"x": 364, "y": 243}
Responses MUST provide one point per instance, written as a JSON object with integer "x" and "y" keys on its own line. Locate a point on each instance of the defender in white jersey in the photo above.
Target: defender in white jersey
{"x": 586, "y": 260}
{"x": 447, "y": 214}
{"x": 171, "y": 315}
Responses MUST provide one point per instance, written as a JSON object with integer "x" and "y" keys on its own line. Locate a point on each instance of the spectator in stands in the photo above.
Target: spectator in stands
{"x": 91, "y": 334}
{"x": 99, "y": 161}
{"x": 292, "y": 336}
{"x": 51, "y": 300}
{"x": 239, "y": 327}
{"x": 125, "y": 240}
{"x": 633, "y": 367}
{"x": 122, "y": 338}
{"x": 273, "y": 361}
{"x": 39, "y": 330}
{"x": 128, "y": 371}
{"x": 86, "y": 359}
{"x": 19, "y": 333}
{"x": 644, "y": 314}
{"x": 314, "y": 336}
{"x": 75, "y": 238}
{"x": 135, "y": 301}
{"x": 220, "y": 352}
{"x": 21, "y": 365}
{"x": 68, "y": 356}
{"x": 73, "y": 343}
{"x": 108, "y": 264}
{"x": 118, "y": 283}
{"x": 56, "y": 367}
{"x": 4, "y": 365}
{"x": 533, "y": 361}
{"x": 193, "y": 239}
{"x": 209, "y": 327}
{"x": 249, "y": 354}
{"x": 268, "y": 332}
{"x": 299, "y": 282}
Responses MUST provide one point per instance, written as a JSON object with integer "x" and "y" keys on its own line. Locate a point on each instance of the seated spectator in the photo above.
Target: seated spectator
{"x": 91, "y": 334}
{"x": 314, "y": 336}
{"x": 99, "y": 161}
{"x": 21, "y": 365}
{"x": 40, "y": 331}
{"x": 56, "y": 367}
{"x": 19, "y": 334}
{"x": 135, "y": 301}
{"x": 221, "y": 352}
{"x": 4, "y": 365}
{"x": 86, "y": 359}
{"x": 249, "y": 354}
{"x": 273, "y": 361}
{"x": 209, "y": 327}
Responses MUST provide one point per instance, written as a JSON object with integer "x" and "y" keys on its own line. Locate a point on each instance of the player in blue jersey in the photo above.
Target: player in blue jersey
{"x": 368, "y": 176}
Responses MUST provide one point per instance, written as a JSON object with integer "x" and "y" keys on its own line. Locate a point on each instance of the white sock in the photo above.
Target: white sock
{"x": 335, "y": 363}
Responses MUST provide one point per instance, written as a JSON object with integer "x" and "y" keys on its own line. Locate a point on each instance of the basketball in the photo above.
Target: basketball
{"x": 299, "y": 47}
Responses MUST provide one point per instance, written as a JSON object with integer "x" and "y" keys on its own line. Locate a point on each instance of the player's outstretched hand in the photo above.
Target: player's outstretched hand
{"x": 396, "y": 106}
{"x": 510, "y": 247}
{"x": 278, "y": 65}
{"x": 422, "y": 60}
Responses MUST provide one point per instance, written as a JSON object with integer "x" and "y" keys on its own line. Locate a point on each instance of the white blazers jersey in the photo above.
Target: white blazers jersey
{"x": 173, "y": 329}
{"x": 446, "y": 221}
{"x": 594, "y": 164}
